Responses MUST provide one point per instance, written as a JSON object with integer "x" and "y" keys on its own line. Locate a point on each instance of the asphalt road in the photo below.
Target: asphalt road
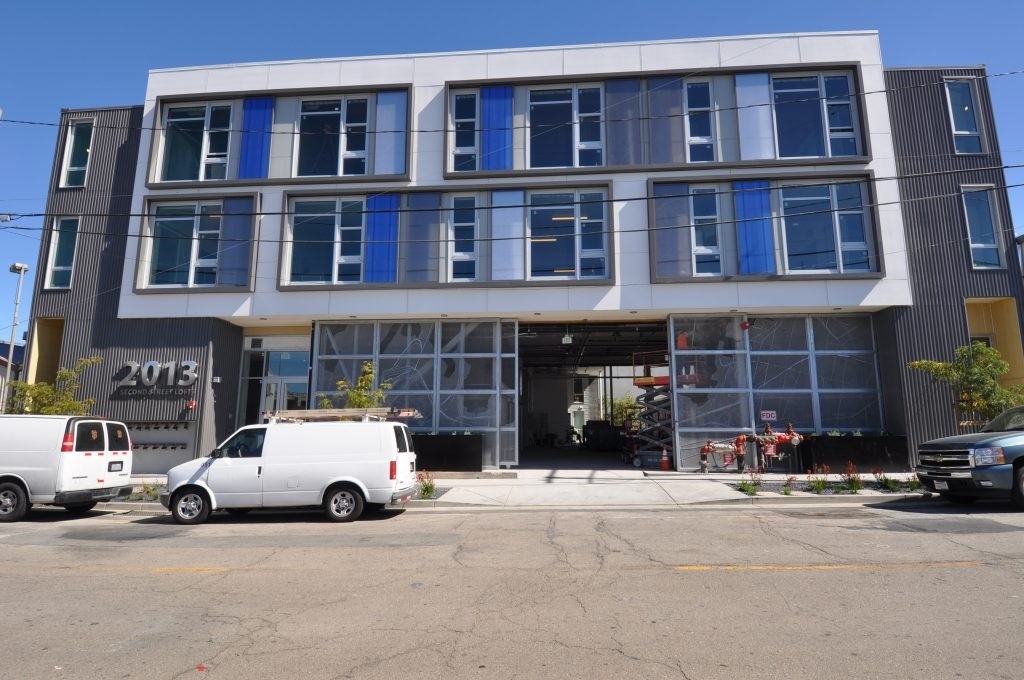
{"x": 912, "y": 590}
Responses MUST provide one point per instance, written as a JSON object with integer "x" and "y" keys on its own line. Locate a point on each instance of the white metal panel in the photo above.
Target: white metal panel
{"x": 753, "y": 103}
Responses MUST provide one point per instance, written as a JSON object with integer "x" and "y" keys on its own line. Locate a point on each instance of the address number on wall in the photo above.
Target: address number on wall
{"x": 174, "y": 373}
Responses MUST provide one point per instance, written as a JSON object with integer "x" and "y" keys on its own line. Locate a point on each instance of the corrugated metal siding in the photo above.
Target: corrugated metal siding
{"x": 938, "y": 250}
{"x": 89, "y": 307}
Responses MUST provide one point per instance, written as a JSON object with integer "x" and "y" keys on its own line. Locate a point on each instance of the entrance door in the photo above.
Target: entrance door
{"x": 284, "y": 394}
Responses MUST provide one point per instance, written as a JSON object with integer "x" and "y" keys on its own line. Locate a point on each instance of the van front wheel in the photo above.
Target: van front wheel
{"x": 190, "y": 507}
{"x": 343, "y": 504}
{"x": 13, "y": 502}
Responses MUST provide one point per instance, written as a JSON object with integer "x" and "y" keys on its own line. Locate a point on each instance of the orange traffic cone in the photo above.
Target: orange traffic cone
{"x": 666, "y": 464}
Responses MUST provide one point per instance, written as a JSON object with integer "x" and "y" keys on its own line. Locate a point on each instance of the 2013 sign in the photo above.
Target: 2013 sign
{"x": 148, "y": 374}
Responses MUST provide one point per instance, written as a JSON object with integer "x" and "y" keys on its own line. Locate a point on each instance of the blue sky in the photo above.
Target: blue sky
{"x": 58, "y": 55}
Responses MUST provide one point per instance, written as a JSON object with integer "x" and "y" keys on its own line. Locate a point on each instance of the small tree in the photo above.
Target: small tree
{"x": 56, "y": 399}
{"x": 363, "y": 394}
{"x": 974, "y": 376}
{"x": 623, "y": 409}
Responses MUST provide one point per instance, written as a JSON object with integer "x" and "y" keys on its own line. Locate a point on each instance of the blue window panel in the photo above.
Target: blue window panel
{"x": 257, "y": 117}
{"x": 381, "y": 239}
{"x": 496, "y": 135}
{"x": 754, "y": 227}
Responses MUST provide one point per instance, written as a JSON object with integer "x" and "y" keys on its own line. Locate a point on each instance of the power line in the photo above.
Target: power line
{"x": 454, "y": 284}
{"x": 570, "y": 79}
{"x": 553, "y": 189}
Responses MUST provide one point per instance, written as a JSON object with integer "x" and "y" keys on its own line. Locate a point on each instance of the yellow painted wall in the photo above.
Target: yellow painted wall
{"x": 998, "y": 319}
{"x": 44, "y": 354}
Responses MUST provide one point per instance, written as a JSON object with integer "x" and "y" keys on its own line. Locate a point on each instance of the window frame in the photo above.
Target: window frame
{"x": 577, "y": 144}
{"x": 835, "y": 212}
{"x": 206, "y": 157}
{"x": 51, "y": 266}
{"x": 972, "y": 88}
{"x": 195, "y": 262}
{"x": 695, "y": 249}
{"x": 454, "y": 122}
{"x": 338, "y": 258}
{"x": 692, "y": 140}
{"x": 453, "y": 254}
{"x": 72, "y": 127}
{"x": 996, "y": 245}
{"x": 579, "y": 252}
{"x": 824, "y": 102}
{"x": 344, "y": 153}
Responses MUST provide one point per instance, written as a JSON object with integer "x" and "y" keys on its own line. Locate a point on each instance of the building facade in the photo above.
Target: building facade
{"x": 497, "y": 232}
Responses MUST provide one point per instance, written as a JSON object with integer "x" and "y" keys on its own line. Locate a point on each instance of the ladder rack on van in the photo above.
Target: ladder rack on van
{"x": 333, "y": 414}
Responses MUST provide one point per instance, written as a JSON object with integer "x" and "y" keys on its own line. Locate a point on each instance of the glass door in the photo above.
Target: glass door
{"x": 281, "y": 394}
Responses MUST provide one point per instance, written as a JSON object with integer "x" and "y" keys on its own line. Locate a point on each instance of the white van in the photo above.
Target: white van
{"x": 72, "y": 461}
{"x": 342, "y": 466}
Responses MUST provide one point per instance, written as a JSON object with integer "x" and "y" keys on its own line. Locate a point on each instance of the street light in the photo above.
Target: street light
{"x": 19, "y": 269}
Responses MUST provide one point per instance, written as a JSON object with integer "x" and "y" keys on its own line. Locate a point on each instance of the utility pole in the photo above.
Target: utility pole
{"x": 19, "y": 269}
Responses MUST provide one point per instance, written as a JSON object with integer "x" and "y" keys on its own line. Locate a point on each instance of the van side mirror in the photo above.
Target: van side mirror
{"x": 217, "y": 453}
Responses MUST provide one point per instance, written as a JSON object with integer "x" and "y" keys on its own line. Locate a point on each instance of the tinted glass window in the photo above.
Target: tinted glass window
{"x": 246, "y": 444}
{"x": 118, "y": 437}
{"x": 89, "y": 437}
{"x": 403, "y": 445}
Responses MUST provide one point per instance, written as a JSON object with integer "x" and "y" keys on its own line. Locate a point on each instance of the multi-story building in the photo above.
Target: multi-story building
{"x": 496, "y": 230}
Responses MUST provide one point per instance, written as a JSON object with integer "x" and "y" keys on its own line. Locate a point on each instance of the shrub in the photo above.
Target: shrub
{"x": 884, "y": 481}
{"x": 817, "y": 479}
{"x": 851, "y": 477}
{"x": 426, "y": 481}
{"x": 750, "y": 486}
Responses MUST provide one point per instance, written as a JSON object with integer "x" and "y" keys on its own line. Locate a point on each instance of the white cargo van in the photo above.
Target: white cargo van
{"x": 72, "y": 461}
{"x": 342, "y": 466}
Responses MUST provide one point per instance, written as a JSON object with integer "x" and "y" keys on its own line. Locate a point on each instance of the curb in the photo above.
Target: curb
{"x": 154, "y": 507}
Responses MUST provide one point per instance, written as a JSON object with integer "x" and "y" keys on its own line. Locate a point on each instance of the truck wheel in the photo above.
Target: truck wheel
{"x": 79, "y": 508}
{"x": 1018, "y": 488}
{"x": 190, "y": 507}
{"x": 343, "y": 504}
{"x": 13, "y": 502}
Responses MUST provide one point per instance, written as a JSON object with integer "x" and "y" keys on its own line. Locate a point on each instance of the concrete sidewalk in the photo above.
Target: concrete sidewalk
{"x": 627, "y": 487}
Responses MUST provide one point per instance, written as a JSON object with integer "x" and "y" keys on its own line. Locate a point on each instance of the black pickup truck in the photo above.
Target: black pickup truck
{"x": 986, "y": 464}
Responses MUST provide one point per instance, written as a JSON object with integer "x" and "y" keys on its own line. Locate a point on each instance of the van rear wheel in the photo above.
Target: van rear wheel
{"x": 190, "y": 507}
{"x": 13, "y": 502}
{"x": 79, "y": 508}
{"x": 343, "y": 504}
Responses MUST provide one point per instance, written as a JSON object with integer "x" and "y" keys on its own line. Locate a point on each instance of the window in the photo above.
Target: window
{"x": 704, "y": 234}
{"x": 62, "y": 252}
{"x": 700, "y": 135}
{"x": 566, "y": 127}
{"x": 981, "y": 228}
{"x": 76, "y": 153}
{"x": 567, "y": 235}
{"x": 962, "y": 116}
{"x": 327, "y": 241}
{"x": 89, "y": 437}
{"x": 825, "y": 228}
{"x": 201, "y": 244}
{"x": 196, "y": 138}
{"x": 463, "y": 255}
{"x": 245, "y": 444}
{"x": 333, "y": 133}
{"x": 808, "y": 124}
{"x": 467, "y": 136}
